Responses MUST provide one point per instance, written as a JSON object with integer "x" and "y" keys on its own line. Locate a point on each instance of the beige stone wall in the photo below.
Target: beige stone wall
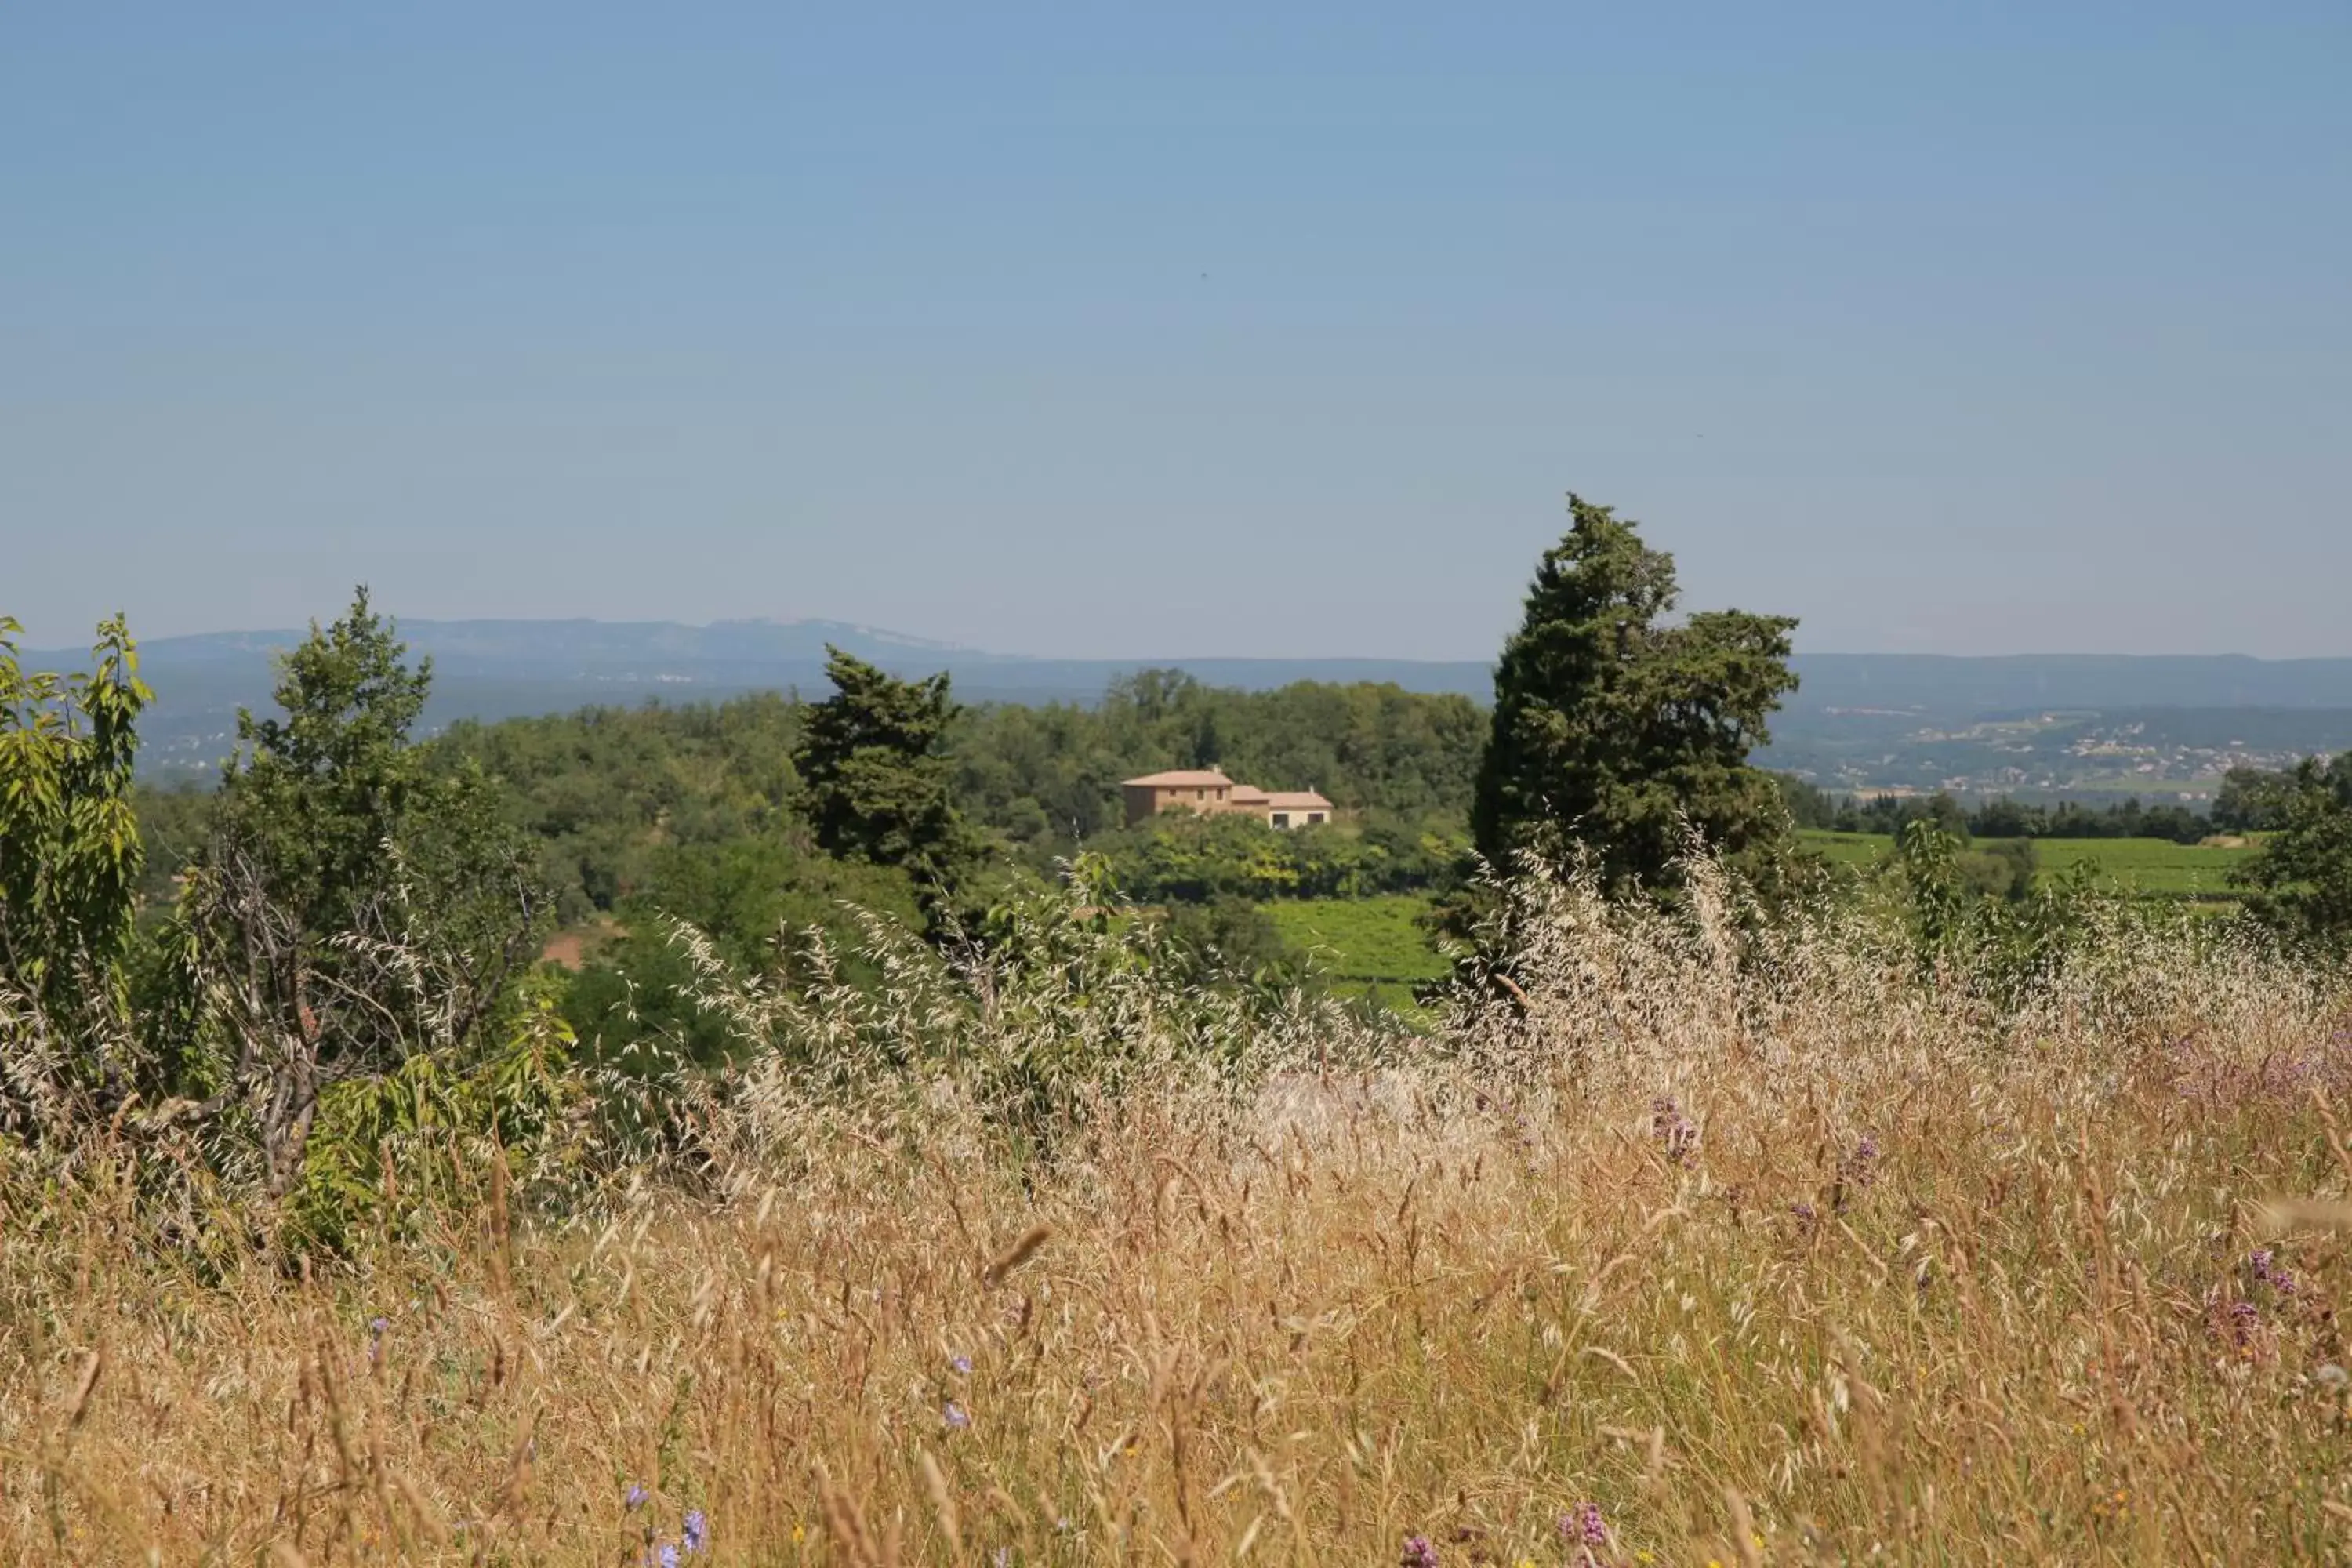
{"x": 1151, "y": 800}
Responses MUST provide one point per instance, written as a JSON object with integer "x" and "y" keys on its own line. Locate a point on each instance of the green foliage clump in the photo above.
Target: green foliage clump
{"x": 2252, "y": 800}
{"x": 1981, "y": 920}
{"x": 605, "y": 792}
{"x": 1064, "y": 997}
{"x": 1177, "y": 858}
{"x": 1046, "y": 779}
{"x": 743, "y": 895}
{"x": 872, "y": 756}
{"x": 2302, "y": 878}
{"x": 390, "y": 1153}
{"x": 354, "y": 905}
{"x": 1229, "y": 939}
{"x": 71, "y": 863}
{"x": 1619, "y": 735}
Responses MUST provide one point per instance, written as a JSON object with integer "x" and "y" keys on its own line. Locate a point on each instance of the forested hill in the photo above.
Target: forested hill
{"x": 1857, "y": 721}
{"x": 624, "y": 800}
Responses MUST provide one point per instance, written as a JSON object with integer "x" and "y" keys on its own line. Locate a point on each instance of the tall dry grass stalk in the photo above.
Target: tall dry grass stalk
{"x": 1791, "y": 1255}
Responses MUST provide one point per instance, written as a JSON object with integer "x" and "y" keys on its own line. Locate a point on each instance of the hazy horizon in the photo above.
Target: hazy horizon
{"x": 1206, "y": 328}
{"x": 915, "y": 638}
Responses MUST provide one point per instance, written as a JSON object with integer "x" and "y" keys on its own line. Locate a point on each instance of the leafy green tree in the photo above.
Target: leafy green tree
{"x": 873, "y": 757}
{"x": 356, "y": 904}
{"x": 1808, "y": 804}
{"x": 2251, "y": 800}
{"x": 2004, "y": 870}
{"x": 742, "y": 896}
{"x": 71, "y": 863}
{"x": 1229, "y": 940}
{"x": 605, "y": 792}
{"x": 174, "y": 820}
{"x": 318, "y": 792}
{"x": 2303, "y": 876}
{"x": 1613, "y": 727}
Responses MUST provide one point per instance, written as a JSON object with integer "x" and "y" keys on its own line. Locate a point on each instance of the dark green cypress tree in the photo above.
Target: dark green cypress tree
{"x": 874, "y": 759}
{"x": 1612, "y": 727}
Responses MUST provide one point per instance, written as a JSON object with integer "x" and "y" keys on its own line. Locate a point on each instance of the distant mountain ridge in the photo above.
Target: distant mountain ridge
{"x": 1852, "y": 707}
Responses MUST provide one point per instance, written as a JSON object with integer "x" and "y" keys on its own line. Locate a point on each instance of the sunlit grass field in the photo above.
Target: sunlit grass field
{"x": 1671, "y": 1257}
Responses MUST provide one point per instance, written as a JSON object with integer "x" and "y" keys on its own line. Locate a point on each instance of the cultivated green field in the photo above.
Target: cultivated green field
{"x": 1376, "y": 945}
{"x": 1364, "y": 945}
{"x": 1847, "y": 849}
{"x": 2155, "y": 866}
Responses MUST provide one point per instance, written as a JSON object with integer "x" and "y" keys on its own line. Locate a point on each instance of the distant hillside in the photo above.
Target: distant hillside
{"x": 2020, "y": 683}
{"x": 1859, "y": 720}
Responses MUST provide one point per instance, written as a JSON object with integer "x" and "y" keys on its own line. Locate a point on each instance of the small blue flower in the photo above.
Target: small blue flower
{"x": 961, "y": 1366}
{"x": 668, "y": 1556}
{"x": 376, "y": 1327}
{"x": 636, "y": 1498}
{"x": 697, "y": 1530}
{"x": 956, "y": 1417}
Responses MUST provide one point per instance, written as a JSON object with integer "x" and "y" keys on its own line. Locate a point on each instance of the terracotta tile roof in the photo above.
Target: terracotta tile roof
{"x": 1297, "y": 800}
{"x": 1185, "y": 778}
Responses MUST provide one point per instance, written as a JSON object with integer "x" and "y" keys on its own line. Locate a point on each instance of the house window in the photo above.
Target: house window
{"x": 1313, "y": 816}
{"x": 1200, "y": 795}
{"x": 1282, "y": 819}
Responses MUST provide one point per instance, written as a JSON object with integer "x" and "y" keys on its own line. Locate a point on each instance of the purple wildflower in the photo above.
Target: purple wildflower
{"x": 376, "y": 1327}
{"x": 2263, "y": 1264}
{"x": 961, "y": 1366}
{"x": 636, "y": 1498}
{"x": 667, "y": 1557}
{"x": 1585, "y": 1526}
{"x": 2245, "y": 1318}
{"x": 697, "y": 1530}
{"x": 956, "y": 1416}
{"x": 1418, "y": 1552}
{"x": 1860, "y": 1167}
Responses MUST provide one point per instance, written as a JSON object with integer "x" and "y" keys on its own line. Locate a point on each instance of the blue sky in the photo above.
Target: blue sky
{"x": 1154, "y": 331}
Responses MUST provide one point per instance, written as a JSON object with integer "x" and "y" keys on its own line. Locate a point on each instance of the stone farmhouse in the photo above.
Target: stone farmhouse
{"x": 1206, "y": 791}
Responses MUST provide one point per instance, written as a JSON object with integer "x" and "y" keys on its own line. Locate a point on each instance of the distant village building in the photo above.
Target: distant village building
{"x": 1206, "y": 791}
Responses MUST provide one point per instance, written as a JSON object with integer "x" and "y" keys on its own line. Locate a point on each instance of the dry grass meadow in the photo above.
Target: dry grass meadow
{"x": 1799, "y": 1258}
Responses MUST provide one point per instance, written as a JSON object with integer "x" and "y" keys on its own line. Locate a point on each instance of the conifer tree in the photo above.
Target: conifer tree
{"x": 1612, "y": 726}
{"x": 874, "y": 758}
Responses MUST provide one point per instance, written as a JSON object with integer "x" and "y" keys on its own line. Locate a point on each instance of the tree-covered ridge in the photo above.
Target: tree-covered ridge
{"x": 612, "y": 796}
{"x": 1050, "y": 775}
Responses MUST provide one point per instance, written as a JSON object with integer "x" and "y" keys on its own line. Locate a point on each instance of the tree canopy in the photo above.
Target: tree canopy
{"x": 873, "y": 757}
{"x": 70, "y": 858}
{"x": 353, "y": 904}
{"x": 1614, "y": 726}
{"x": 2303, "y": 877}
